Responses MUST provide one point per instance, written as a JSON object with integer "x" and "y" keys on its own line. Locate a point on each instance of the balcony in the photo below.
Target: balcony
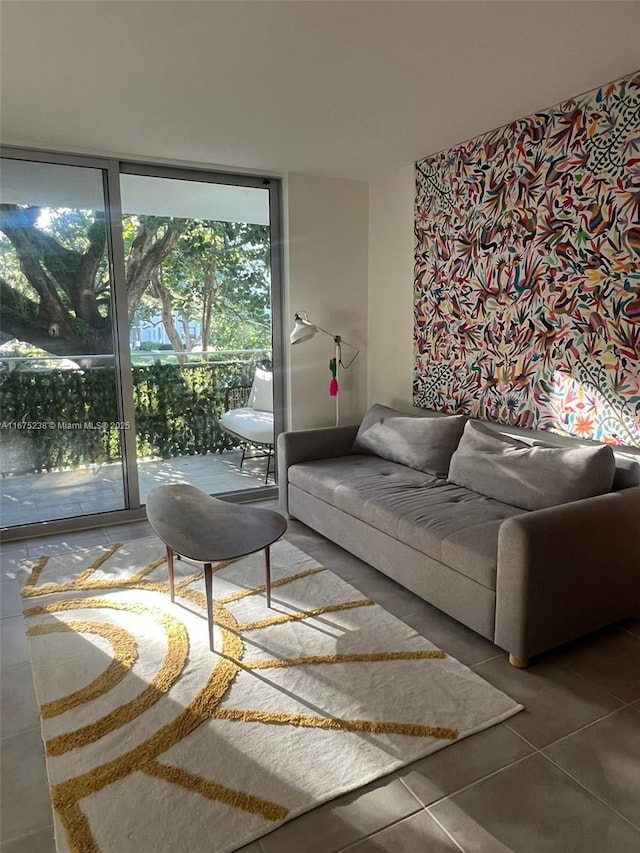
{"x": 61, "y": 448}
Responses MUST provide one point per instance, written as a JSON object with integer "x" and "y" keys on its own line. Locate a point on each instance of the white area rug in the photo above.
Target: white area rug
{"x": 155, "y": 743}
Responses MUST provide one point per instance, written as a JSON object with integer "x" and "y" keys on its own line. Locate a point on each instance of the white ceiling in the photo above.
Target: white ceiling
{"x": 348, "y": 88}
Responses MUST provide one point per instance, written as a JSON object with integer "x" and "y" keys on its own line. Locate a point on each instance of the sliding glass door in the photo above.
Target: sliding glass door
{"x": 197, "y": 257}
{"x": 137, "y": 306}
{"x": 61, "y": 422}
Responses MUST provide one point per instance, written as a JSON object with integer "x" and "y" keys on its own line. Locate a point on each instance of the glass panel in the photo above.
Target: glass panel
{"x": 60, "y": 430}
{"x": 199, "y": 283}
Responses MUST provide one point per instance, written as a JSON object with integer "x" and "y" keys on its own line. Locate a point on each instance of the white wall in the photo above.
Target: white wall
{"x": 326, "y": 233}
{"x": 390, "y": 326}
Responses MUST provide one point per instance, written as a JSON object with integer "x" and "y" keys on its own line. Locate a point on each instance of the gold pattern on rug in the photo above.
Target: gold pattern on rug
{"x": 305, "y": 614}
{"x": 82, "y": 581}
{"x": 125, "y": 654}
{"x": 311, "y": 721}
{"x": 171, "y": 668}
{"x": 109, "y": 552}
{"x": 213, "y": 791}
{"x": 66, "y": 796}
{"x": 34, "y": 575}
{"x": 258, "y": 590}
{"x": 276, "y": 663}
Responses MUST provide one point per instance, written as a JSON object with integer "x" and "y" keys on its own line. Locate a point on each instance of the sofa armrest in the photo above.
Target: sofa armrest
{"x": 309, "y": 444}
{"x": 567, "y": 570}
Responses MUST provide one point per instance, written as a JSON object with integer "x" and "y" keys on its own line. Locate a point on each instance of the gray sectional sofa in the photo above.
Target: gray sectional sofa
{"x": 530, "y": 545}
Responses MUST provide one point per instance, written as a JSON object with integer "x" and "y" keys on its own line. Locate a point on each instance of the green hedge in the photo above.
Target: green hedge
{"x": 73, "y": 415}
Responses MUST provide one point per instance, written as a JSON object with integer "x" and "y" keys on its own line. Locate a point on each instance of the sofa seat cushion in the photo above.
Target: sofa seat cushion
{"x": 424, "y": 512}
{"x": 349, "y": 482}
{"x": 459, "y": 528}
{"x": 473, "y": 551}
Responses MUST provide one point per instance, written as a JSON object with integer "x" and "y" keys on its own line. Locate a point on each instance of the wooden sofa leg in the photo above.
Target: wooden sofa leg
{"x": 521, "y": 663}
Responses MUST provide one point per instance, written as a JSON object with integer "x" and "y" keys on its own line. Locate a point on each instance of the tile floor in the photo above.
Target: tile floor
{"x": 29, "y": 498}
{"x": 562, "y": 776}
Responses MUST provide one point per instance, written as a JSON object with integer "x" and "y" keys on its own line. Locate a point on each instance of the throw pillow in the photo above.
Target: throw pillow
{"x": 510, "y": 471}
{"x": 261, "y": 396}
{"x": 423, "y": 443}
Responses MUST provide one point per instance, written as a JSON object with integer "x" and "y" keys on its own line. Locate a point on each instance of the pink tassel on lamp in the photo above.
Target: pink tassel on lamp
{"x": 333, "y": 385}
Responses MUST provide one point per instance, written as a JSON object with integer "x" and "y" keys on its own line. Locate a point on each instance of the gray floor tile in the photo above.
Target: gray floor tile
{"x": 533, "y": 807}
{"x": 419, "y": 832}
{"x": 42, "y": 841}
{"x": 9, "y": 571}
{"x": 10, "y": 601}
{"x": 25, "y": 806}
{"x": 402, "y": 604}
{"x": 124, "y": 532}
{"x": 463, "y": 763}
{"x": 556, "y": 701}
{"x": 66, "y": 542}
{"x": 11, "y": 576}
{"x": 18, "y": 699}
{"x": 610, "y": 659}
{"x": 345, "y": 820}
{"x": 303, "y": 540}
{"x": 376, "y": 585}
{"x": 386, "y": 816}
{"x": 10, "y": 555}
{"x": 14, "y": 646}
{"x": 388, "y": 594}
{"x": 86, "y": 538}
{"x": 41, "y": 547}
{"x": 605, "y": 758}
{"x": 454, "y": 638}
{"x": 349, "y": 567}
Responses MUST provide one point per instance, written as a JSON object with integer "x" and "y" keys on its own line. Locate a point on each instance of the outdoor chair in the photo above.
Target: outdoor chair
{"x": 252, "y": 425}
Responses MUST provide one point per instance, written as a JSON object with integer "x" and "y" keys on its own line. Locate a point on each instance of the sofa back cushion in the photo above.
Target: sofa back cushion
{"x": 627, "y": 470}
{"x": 515, "y": 473}
{"x": 423, "y": 443}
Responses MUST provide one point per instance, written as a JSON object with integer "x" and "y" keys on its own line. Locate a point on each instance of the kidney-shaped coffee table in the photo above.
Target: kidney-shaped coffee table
{"x": 192, "y": 524}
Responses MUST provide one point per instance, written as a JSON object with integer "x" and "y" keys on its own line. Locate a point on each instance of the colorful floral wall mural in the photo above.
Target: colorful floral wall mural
{"x": 527, "y": 271}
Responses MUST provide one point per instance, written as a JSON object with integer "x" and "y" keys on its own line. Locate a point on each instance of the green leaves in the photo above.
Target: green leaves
{"x": 177, "y": 413}
{"x": 218, "y": 274}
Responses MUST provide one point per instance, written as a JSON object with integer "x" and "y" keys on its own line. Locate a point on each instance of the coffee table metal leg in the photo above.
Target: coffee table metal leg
{"x": 208, "y": 586}
{"x": 170, "y": 569}
{"x": 267, "y": 574}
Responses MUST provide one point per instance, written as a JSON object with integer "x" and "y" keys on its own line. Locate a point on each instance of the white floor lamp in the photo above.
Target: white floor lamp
{"x": 304, "y": 330}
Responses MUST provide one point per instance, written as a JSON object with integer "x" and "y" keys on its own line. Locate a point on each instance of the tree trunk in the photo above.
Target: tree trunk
{"x": 186, "y": 331}
{"x": 166, "y": 300}
{"x": 208, "y": 297}
{"x": 146, "y": 256}
{"x": 207, "y": 311}
{"x": 66, "y": 318}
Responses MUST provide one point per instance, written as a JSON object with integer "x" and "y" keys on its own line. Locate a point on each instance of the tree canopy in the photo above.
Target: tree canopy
{"x": 55, "y": 281}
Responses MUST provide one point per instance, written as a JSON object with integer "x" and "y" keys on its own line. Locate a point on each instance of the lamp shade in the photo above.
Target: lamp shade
{"x": 303, "y": 329}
